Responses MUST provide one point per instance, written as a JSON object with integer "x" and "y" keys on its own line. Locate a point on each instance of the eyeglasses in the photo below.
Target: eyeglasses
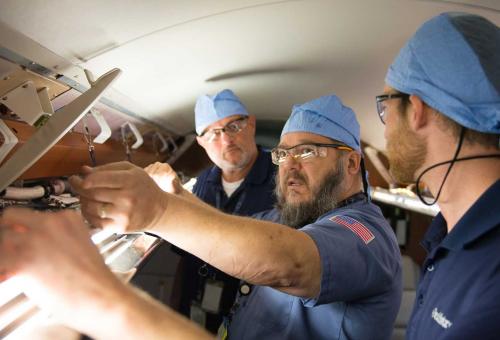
{"x": 381, "y": 106}
{"x": 304, "y": 152}
{"x": 230, "y": 128}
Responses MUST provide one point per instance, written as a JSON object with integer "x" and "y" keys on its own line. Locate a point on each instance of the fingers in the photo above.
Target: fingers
{"x": 165, "y": 177}
{"x": 117, "y": 166}
{"x": 158, "y": 168}
{"x": 99, "y": 179}
{"x": 105, "y": 215}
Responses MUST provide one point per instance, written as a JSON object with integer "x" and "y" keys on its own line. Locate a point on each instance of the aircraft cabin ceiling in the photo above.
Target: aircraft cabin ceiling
{"x": 271, "y": 53}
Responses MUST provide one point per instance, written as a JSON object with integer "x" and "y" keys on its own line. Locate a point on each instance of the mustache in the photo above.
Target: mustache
{"x": 293, "y": 175}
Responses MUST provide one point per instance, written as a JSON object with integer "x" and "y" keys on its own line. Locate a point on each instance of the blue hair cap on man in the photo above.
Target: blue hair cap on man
{"x": 453, "y": 64}
{"x": 328, "y": 117}
{"x": 210, "y": 109}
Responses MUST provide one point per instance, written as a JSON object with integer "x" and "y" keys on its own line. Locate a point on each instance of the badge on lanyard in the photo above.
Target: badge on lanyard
{"x": 197, "y": 315}
{"x": 212, "y": 296}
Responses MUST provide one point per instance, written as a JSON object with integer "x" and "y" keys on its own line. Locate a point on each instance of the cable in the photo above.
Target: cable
{"x": 451, "y": 162}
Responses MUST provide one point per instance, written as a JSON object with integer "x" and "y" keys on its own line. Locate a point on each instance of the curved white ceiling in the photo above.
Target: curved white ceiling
{"x": 272, "y": 53}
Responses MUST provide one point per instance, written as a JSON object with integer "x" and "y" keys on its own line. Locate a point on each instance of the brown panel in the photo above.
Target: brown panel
{"x": 71, "y": 152}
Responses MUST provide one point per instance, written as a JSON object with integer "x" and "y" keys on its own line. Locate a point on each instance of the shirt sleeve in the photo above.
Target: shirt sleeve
{"x": 353, "y": 266}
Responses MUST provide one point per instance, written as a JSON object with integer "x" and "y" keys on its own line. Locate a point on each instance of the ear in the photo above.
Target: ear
{"x": 417, "y": 114}
{"x": 252, "y": 120}
{"x": 353, "y": 160}
{"x": 252, "y": 123}
{"x": 201, "y": 142}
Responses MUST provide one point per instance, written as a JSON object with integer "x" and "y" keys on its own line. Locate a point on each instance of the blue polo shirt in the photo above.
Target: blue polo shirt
{"x": 459, "y": 293}
{"x": 360, "y": 285}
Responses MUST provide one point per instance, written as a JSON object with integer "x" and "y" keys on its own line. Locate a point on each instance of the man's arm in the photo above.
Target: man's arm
{"x": 259, "y": 252}
{"x": 166, "y": 178}
{"x": 55, "y": 263}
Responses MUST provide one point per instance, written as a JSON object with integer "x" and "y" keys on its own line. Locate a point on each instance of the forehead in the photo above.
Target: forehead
{"x": 224, "y": 121}
{"x": 388, "y": 89}
{"x": 295, "y": 138}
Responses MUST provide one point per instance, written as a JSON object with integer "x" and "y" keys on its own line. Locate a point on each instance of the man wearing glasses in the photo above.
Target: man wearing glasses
{"x": 441, "y": 107}
{"x": 240, "y": 183}
{"x": 330, "y": 269}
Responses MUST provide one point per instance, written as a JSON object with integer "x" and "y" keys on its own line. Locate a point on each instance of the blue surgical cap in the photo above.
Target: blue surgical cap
{"x": 210, "y": 109}
{"x": 328, "y": 117}
{"x": 453, "y": 64}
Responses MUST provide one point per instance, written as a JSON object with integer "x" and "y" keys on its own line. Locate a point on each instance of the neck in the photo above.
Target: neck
{"x": 233, "y": 175}
{"x": 352, "y": 189}
{"x": 467, "y": 181}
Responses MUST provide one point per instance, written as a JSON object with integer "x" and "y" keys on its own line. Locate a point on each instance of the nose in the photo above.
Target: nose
{"x": 226, "y": 138}
{"x": 290, "y": 163}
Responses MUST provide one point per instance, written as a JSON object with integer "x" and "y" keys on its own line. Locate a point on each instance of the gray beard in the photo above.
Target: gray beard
{"x": 325, "y": 199}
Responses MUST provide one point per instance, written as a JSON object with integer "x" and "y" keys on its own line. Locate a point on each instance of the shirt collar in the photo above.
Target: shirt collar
{"x": 257, "y": 175}
{"x": 478, "y": 220}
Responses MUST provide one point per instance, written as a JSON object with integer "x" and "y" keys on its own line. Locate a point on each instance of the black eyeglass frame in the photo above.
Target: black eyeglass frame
{"x": 223, "y": 129}
{"x": 382, "y": 98}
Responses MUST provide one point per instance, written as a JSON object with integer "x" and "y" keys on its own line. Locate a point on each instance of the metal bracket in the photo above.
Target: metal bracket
{"x": 53, "y": 130}
{"x": 105, "y": 129}
{"x": 163, "y": 141}
{"x": 10, "y": 140}
{"x": 172, "y": 145}
{"x": 138, "y": 137}
{"x": 31, "y": 106}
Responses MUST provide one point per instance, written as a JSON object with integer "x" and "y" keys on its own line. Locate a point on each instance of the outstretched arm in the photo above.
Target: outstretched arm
{"x": 56, "y": 264}
{"x": 260, "y": 252}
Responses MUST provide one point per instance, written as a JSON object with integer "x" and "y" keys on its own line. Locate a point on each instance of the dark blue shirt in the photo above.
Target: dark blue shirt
{"x": 459, "y": 292}
{"x": 361, "y": 284}
{"x": 256, "y": 193}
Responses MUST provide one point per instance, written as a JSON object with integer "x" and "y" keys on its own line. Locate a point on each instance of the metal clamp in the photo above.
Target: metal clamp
{"x": 164, "y": 145}
{"x": 105, "y": 133}
{"x": 138, "y": 137}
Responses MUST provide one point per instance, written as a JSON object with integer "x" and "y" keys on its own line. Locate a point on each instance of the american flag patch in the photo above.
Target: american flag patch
{"x": 355, "y": 226}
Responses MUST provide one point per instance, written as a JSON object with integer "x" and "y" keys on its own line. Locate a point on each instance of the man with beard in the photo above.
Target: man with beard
{"x": 441, "y": 107}
{"x": 240, "y": 183}
{"x": 335, "y": 274}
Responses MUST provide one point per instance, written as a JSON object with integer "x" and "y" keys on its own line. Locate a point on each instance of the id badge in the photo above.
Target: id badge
{"x": 212, "y": 296}
{"x": 198, "y": 315}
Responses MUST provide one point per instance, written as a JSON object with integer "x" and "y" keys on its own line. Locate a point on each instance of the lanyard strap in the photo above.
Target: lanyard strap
{"x": 237, "y": 207}
{"x": 360, "y": 196}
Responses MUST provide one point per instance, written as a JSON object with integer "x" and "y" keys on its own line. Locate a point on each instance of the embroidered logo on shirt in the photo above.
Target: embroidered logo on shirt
{"x": 441, "y": 319}
{"x": 355, "y": 226}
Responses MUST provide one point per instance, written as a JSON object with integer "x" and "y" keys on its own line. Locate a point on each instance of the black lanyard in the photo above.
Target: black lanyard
{"x": 360, "y": 196}
{"x": 238, "y": 205}
{"x": 206, "y": 270}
